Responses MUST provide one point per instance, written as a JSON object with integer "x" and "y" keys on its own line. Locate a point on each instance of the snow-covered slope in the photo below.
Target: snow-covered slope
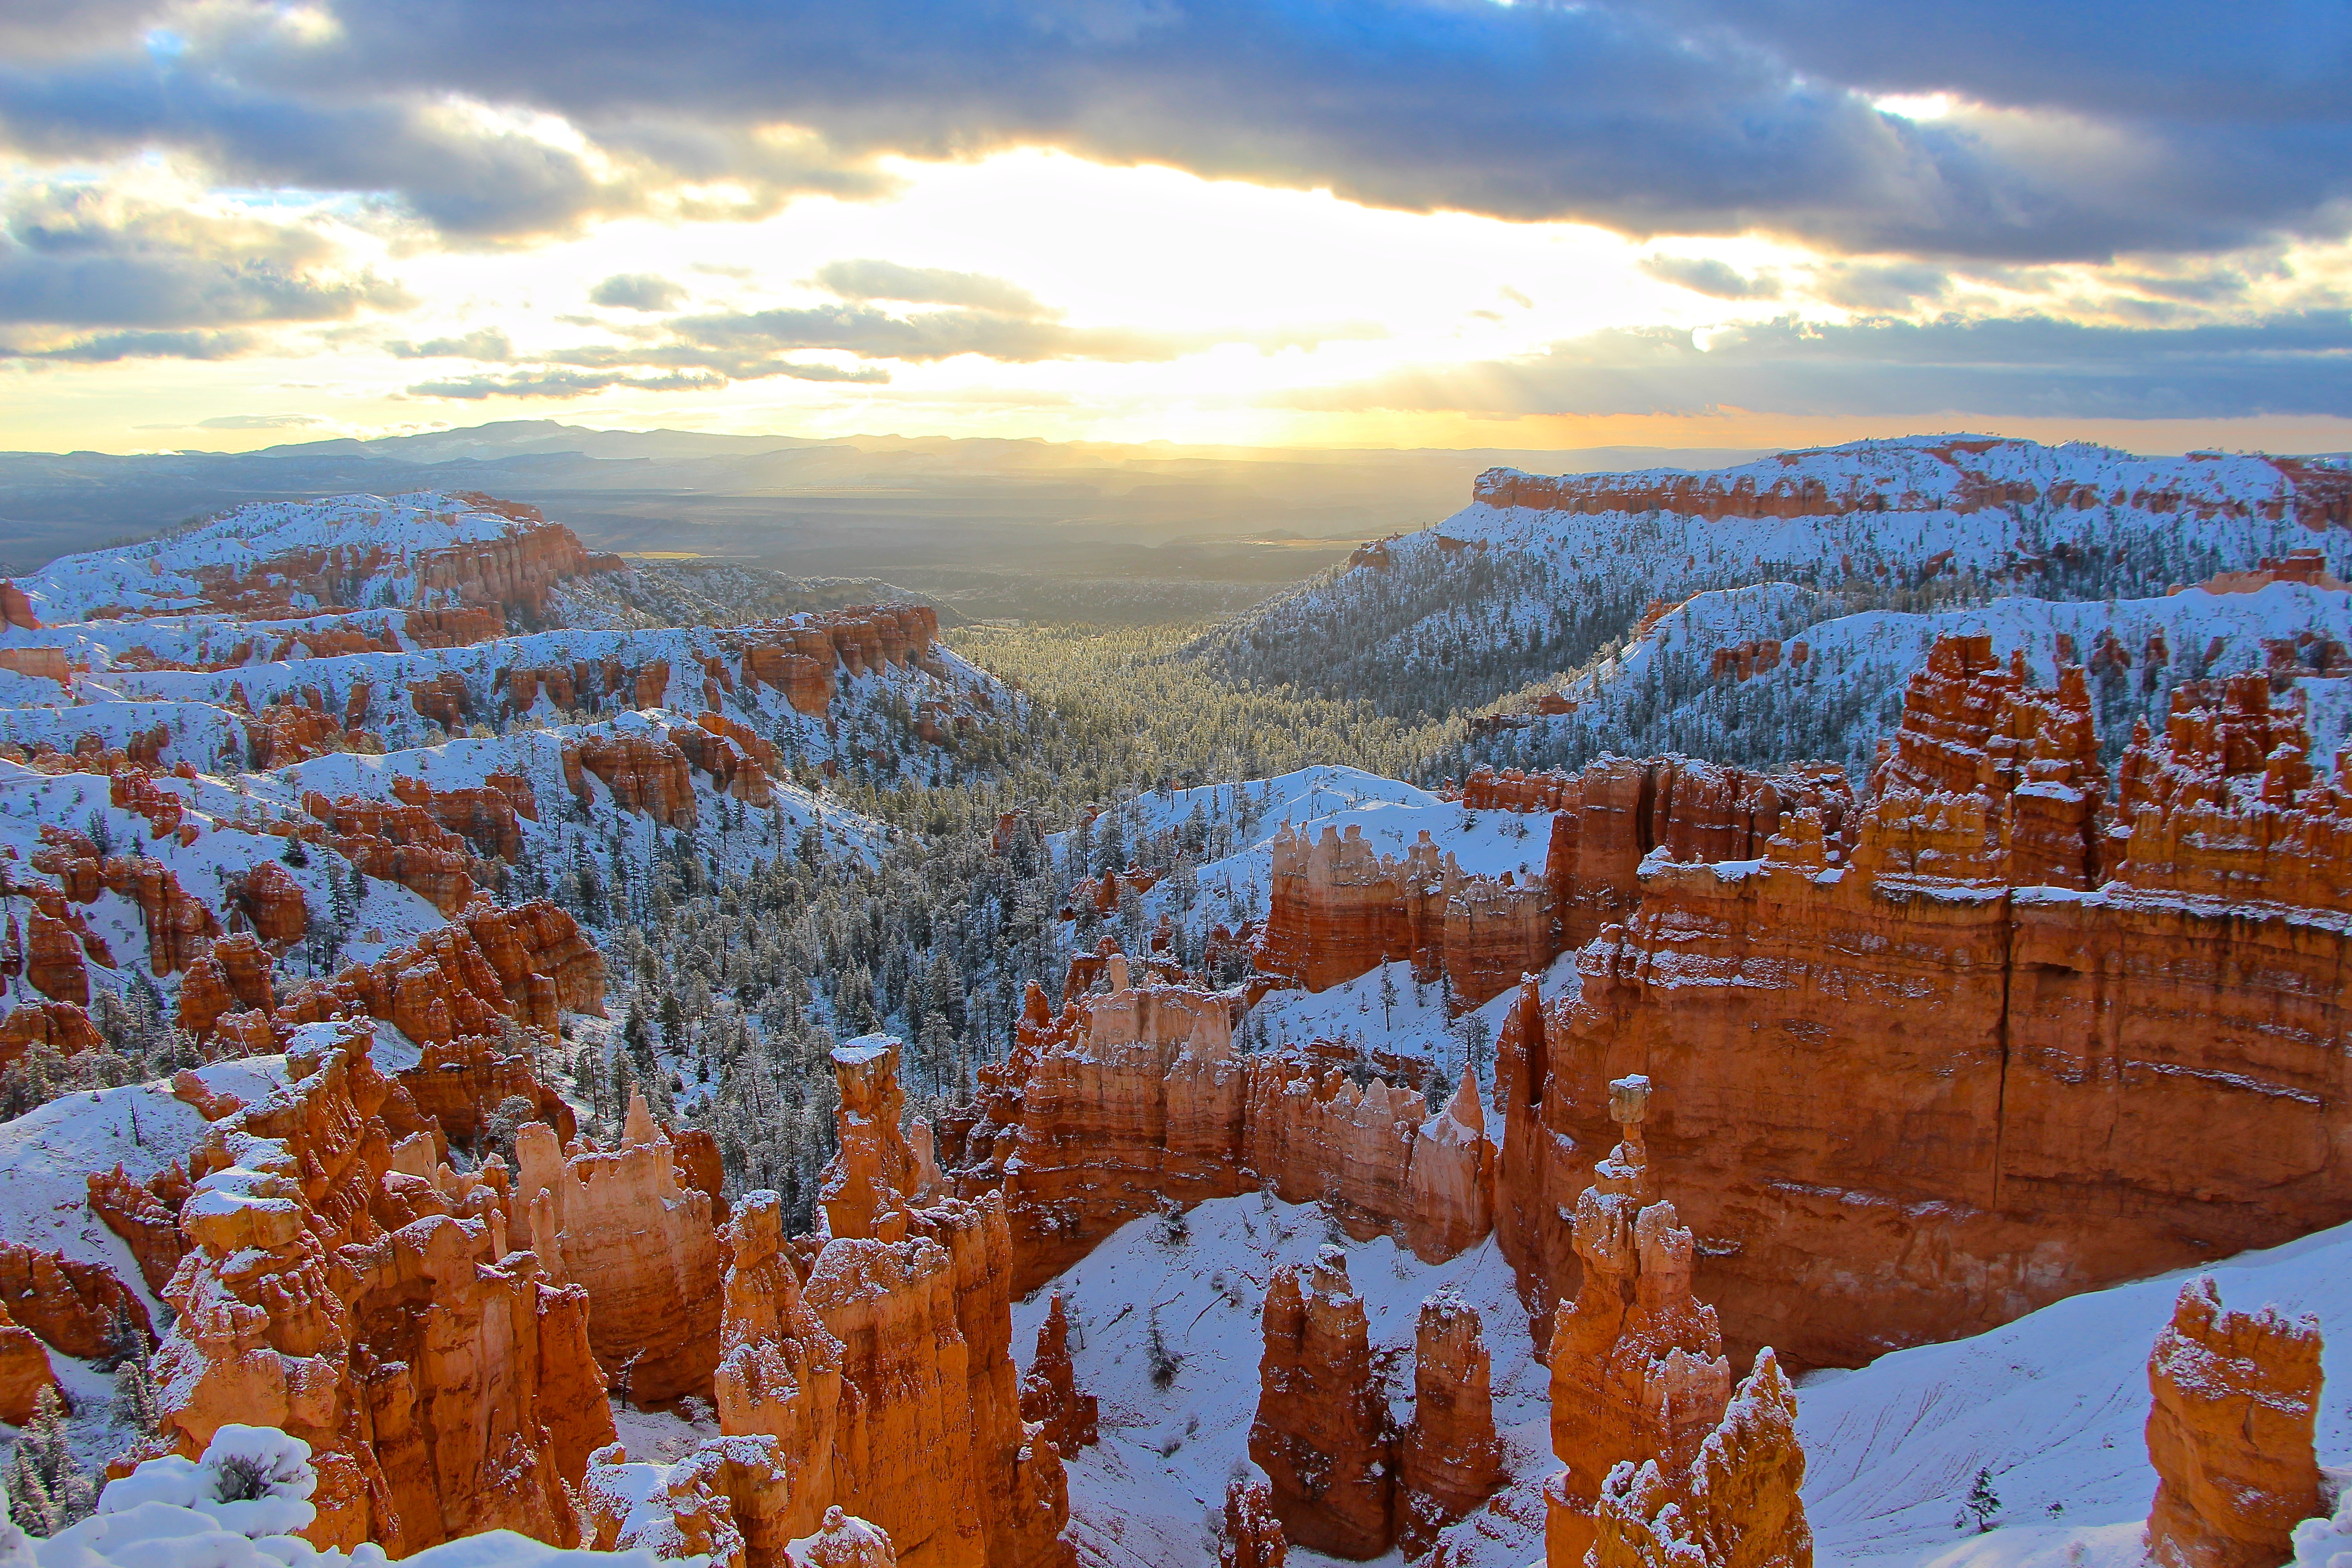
{"x": 2054, "y": 1406}
{"x": 1150, "y": 1492}
{"x": 1843, "y": 694}
{"x": 1538, "y": 575}
{"x": 380, "y": 540}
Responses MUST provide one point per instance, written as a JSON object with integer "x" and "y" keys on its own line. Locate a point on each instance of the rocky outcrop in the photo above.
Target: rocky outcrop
{"x": 1448, "y": 1459}
{"x": 1638, "y": 1373}
{"x": 2232, "y": 1434}
{"x": 1914, "y": 1026}
{"x": 641, "y": 1242}
{"x": 1737, "y": 1507}
{"x": 435, "y": 1374}
{"x": 1049, "y": 1394}
{"x": 1337, "y": 908}
{"x": 79, "y": 1308}
{"x": 272, "y": 902}
{"x": 23, "y": 1371}
{"x": 1321, "y": 1434}
{"x": 868, "y": 1370}
{"x": 646, "y": 773}
{"x": 1659, "y": 1458}
{"x": 53, "y": 960}
{"x": 1450, "y": 1181}
{"x": 62, "y": 1026}
{"x": 146, "y": 1215}
{"x": 397, "y": 842}
{"x": 1135, "y": 1095}
{"x": 1955, "y": 475}
{"x": 1252, "y": 1535}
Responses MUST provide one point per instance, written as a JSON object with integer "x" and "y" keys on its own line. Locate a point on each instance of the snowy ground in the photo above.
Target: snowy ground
{"x": 2054, "y": 1405}
{"x": 1149, "y": 1493}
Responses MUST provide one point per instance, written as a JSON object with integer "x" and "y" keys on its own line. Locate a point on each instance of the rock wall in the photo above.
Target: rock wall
{"x": 1858, "y": 1040}
{"x": 1337, "y": 908}
{"x": 623, "y": 1224}
{"x": 1136, "y": 1096}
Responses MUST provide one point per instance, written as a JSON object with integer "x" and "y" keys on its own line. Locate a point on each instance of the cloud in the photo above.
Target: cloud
{"x": 933, "y": 336}
{"x": 1706, "y": 274}
{"x": 488, "y": 345}
{"x": 1882, "y": 286}
{"x": 2022, "y": 366}
{"x": 75, "y": 254}
{"x": 2112, "y": 129}
{"x": 108, "y": 347}
{"x": 564, "y": 383}
{"x": 928, "y": 286}
{"x": 258, "y": 422}
{"x": 636, "y": 291}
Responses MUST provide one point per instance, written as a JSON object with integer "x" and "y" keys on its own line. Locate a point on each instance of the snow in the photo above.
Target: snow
{"x": 2055, "y": 1404}
{"x": 47, "y": 1154}
{"x": 1148, "y": 1493}
{"x": 866, "y": 1049}
{"x": 160, "y": 575}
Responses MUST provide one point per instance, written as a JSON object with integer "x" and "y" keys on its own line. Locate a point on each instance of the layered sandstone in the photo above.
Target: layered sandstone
{"x": 645, "y": 772}
{"x": 1050, "y": 1396}
{"x": 1638, "y": 1373}
{"x": 1661, "y": 1462}
{"x": 1737, "y": 1507}
{"x": 1337, "y": 908}
{"x": 1950, "y": 1018}
{"x": 1136, "y": 1096}
{"x": 1448, "y": 1459}
{"x": 1321, "y": 1434}
{"x": 2232, "y": 1434}
{"x": 23, "y": 1371}
{"x": 1955, "y": 481}
{"x": 641, "y": 1242}
{"x": 437, "y": 1374}
{"x": 867, "y": 1370}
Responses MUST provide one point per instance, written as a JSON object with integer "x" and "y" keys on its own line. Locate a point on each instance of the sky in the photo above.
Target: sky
{"x": 226, "y": 224}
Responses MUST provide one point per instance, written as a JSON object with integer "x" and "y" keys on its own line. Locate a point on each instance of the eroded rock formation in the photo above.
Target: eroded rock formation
{"x": 2232, "y": 1434}
{"x": 641, "y": 1241}
{"x": 1049, "y": 1394}
{"x": 435, "y": 1374}
{"x": 1339, "y": 909}
{"x": 1658, "y": 1455}
{"x": 1448, "y": 1459}
{"x": 1136, "y": 1095}
{"x": 1321, "y": 1434}
{"x": 1913, "y": 1023}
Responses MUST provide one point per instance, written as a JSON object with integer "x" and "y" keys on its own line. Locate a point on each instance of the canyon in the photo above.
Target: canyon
{"x": 1581, "y": 1127}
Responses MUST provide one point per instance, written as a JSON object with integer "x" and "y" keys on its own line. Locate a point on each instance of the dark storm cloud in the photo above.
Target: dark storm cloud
{"x": 2290, "y": 364}
{"x": 1672, "y": 116}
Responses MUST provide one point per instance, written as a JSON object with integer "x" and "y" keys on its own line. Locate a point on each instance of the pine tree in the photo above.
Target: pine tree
{"x": 47, "y": 1485}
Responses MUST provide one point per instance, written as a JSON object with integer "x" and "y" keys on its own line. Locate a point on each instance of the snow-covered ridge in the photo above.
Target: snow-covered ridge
{"x": 1949, "y": 473}
{"x": 356, "y": 551}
